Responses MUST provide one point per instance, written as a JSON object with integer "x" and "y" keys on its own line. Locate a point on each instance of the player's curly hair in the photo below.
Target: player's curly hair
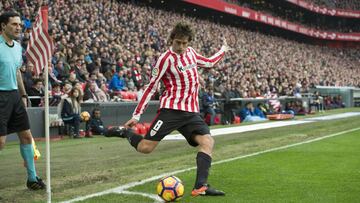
{"x": 181, "y": 29}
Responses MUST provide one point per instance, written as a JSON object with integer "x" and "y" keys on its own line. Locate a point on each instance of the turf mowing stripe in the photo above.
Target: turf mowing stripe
{"x": 123, "y": 188}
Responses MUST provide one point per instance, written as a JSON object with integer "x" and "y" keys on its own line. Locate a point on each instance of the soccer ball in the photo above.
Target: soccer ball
{"x": 85, "y": 116}
{"x": 170, "y": 188}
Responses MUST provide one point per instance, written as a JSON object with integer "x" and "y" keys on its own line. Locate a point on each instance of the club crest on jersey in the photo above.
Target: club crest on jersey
{"x": 155, "y": 72}
{"x": 184, "y": 68}
{"x": 153, "y": 132}
{"x": 156, "y": 128}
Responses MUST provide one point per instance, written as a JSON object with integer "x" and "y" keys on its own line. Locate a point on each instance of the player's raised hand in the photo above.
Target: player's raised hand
{"x": 130, "y": 123}
{"x": 225, "y": 46}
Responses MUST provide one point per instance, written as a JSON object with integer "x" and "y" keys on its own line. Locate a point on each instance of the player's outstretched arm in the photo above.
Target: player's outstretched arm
{"x": 211, "y": 61}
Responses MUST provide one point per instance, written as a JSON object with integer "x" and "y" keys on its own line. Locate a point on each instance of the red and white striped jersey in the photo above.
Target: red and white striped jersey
{"x": 181, "y": 80}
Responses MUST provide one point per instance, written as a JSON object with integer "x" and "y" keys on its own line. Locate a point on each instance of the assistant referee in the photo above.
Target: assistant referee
{"x": 13, "y": 116}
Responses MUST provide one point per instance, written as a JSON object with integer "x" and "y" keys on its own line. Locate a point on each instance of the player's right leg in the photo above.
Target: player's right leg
{"x": 137, "y": 141}
{"x": 146, "y": 146}
{"x": 165, "y": 122}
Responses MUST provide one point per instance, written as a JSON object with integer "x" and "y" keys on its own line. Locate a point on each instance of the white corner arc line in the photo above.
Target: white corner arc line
{"x": 156, "y": 198}
{"x": 123, "y": 188}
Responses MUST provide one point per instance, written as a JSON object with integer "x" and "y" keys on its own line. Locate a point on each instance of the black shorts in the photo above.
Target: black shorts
{"x": 188, "y": 124}
{"x": 13, "y": 116}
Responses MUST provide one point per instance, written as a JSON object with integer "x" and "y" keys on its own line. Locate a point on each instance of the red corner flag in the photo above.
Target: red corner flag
{"x": 40, "y": 47}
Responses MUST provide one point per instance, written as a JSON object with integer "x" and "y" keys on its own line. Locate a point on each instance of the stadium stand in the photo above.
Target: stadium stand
{"x": 296, "y": 14}
{"x": 336, "y": 4}
{"x": 343, "y": 4}
{"x": 100, "y": 38}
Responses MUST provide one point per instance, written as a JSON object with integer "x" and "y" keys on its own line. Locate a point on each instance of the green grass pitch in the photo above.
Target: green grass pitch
{"x": 324, "y": 171}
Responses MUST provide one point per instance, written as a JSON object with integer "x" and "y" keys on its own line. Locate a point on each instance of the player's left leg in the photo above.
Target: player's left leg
{"x": 203, "y": 158}
{"x": 203, "y": 162}
{"x": 197, "y": 133}
{"x": 27, "y": 153}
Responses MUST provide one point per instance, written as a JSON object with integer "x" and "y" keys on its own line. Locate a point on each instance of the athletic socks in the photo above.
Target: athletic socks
{"x": 203, "y": 162}
{"x": 133, "y": 138}
{"x": 27, "y": 153}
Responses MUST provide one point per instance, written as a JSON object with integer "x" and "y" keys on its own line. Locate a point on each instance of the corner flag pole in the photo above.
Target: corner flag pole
{"x": 47, "y": 136}
{"x": 44, "y": 14}
{"x": 39, "y": 52}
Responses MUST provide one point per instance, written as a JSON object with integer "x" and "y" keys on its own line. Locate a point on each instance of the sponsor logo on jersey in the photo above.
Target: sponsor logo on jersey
{"x": 185, "y": 68}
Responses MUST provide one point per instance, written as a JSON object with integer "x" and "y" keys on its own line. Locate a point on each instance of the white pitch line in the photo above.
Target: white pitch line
{"x": 262, "y": 126}
{"x": 231, "y": 129}
{"x": 332, "y": 117}
{"x": 156, "y": 198}
{"x": 123, "y": 188}
{"x": 244, "y": 128}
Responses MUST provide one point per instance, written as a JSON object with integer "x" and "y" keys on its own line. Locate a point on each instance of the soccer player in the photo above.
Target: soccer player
{"x": 13, "y": 116}
{"x": 179, "y": 106}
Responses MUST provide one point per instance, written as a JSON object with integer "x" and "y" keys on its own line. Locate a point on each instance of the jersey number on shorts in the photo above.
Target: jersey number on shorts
{"x": 156, "y": 127}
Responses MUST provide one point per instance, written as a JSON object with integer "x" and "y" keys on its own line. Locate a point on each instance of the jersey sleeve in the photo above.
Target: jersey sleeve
{"x": 162, "y": 64}
{"x": 202, "y": 61}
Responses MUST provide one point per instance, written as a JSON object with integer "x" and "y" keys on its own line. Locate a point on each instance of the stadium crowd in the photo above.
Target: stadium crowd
{"x": 339, "y": 4}
{"x": 107, "y": 49}
{"x": 299, "y": 16}
{"x": 353, "y": 5}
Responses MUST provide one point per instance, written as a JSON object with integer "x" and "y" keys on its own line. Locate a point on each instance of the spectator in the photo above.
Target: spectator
{"x": 318, "y": 101}
{"x": 249, "y": 114}
{"x": 26, "y": 73}
{"x": 103, "y": 94}
{"x": 56, "y": 95}
{"x": 67, "y": 89}
{"x": 137, "y": 77}
{"x": 79, "y": 71}
{"x": 117, "y": 82}
{"x": 229, "y": 106}
{"x": 70, "y": 112}
{"x": 209, "y": 105}
{"x": 36, "y": 93}
{"x": 95, "y": 125}
{"x": 90, "y": 94}
{"x": 61, "y": 70}
{"x": 52, "y": 76}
